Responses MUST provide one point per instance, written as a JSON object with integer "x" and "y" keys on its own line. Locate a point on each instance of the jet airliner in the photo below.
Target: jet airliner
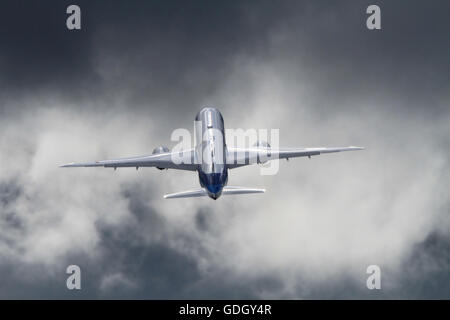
{"x": 211, "y": 158}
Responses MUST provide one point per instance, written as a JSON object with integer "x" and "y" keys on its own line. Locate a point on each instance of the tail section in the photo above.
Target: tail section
{"x": 203, "y": 193}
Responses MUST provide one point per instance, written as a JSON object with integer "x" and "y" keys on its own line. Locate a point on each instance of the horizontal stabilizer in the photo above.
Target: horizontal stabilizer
{"x": 187, "y": 194}
{"x": 241, "y": 190}
{"x": 202, "y": 192}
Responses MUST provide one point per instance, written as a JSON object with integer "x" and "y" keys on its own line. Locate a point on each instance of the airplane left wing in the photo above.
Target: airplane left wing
{"x": 185, "y": 161}
{"x": 238, "y": 157}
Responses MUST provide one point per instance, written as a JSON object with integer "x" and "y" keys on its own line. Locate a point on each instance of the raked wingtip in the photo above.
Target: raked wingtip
{"x": 67, "y": 165}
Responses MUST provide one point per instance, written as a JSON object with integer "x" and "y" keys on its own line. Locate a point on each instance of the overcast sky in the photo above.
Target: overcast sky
{"x": 137, "y": 70}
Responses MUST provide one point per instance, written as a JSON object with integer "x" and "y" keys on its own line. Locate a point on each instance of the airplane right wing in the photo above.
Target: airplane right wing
{"x": 185, "y": 161}
{"x": 238, "y": 157}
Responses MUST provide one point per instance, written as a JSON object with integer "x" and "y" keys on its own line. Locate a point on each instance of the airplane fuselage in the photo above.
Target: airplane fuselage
{"x": 211, "y": 148}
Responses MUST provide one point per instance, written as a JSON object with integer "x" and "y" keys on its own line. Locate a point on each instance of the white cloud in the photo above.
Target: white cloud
{"x": 320, "y": 218}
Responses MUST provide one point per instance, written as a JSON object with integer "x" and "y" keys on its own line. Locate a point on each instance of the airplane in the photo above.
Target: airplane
{"x": 211, "y": 158}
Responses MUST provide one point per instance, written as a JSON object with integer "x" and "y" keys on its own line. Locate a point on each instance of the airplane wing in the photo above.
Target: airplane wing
{"x": 238, "y": 157}
{"x": 161, "y": 161}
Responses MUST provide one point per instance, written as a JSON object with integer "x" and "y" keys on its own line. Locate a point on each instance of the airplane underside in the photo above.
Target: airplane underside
{"x": 211, "y": 158}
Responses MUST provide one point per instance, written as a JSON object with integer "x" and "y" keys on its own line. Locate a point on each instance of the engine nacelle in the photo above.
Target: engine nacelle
{"x": 158, "y": 150}
{"x": 263, "y": 145}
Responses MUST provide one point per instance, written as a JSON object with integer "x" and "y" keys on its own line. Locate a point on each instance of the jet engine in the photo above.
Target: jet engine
{"x": 158, "y": 150}
{"x": 262, "y": 145}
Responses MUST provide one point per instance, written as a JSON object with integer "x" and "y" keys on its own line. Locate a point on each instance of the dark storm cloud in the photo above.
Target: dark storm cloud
{"x": 182, "y": 50}
{"x": 130, "y": 269}
{"x": 170, "y": 57}
{"x": 426, "y": 274}
{"x": 179, "y": 49}
{"x": 37, "y": 53}
{"x": 156, "y": 270}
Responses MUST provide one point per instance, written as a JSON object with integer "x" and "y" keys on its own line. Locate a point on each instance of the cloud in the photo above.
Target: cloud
{"x": 317, "y": 77}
